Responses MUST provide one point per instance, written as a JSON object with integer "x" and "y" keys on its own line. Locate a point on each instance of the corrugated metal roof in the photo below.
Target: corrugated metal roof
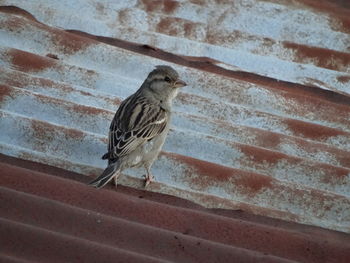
{"x": 47, "y": 218}
{"x": 283, "y": 40}
{"x": 263, "y": 126}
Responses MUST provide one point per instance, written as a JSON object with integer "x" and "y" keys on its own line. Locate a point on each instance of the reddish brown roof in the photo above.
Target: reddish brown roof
{"x": 50, "y": 215}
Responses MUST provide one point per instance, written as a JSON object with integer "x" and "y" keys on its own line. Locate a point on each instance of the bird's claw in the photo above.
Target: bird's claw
{"x": 148, "y": 179}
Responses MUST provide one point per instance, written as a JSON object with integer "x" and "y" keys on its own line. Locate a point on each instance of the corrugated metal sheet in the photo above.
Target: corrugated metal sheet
{"x": 263, "y": 126}
{"x": 59, "y": 219}
{"x": 276, "y": 38}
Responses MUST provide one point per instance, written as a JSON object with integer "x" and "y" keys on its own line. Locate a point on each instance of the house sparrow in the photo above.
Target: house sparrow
{"x": 140, "y": 126}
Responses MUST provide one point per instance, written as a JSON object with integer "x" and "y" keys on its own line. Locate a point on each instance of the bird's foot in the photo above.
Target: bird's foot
{"x": 148, "y": 179}
{"x": 115, "y": 182}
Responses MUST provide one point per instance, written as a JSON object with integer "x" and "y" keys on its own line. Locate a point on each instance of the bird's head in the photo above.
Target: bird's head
{"x": 164, "y": 82}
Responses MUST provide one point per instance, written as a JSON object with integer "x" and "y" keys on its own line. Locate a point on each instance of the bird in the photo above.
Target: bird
{"x": 140, "y": 126}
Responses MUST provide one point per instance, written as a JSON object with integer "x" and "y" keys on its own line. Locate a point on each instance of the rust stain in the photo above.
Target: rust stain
{"x": 271, "y": 140}
{"x": 13, "y": 24}
{"x": 178, "y": 27}
{"x": 168, "y": 25}
{"x": 5, "y": 91}
{"x": 261, "y": 156}
{"x": 189, "y": 28}
{"x": 325, "y": 5}
{"x": 42, "y": 130}
{"x": 228, "y": 38}
{"x": 254, "y": 183}
{"x": 29, "y": 62}
{"x": 311, "y": 131}
{"x": 308, "y": 105}
{"x": 17, "y": 11}
{"x": 49, "y": 100}
{"x": 212, "y": 38}
{"x": 341, "y": 24}
{"x": 69, "y": 43}
{"x": 20, "y": 80}
{"x": 152, "y": 5}
{"x": 264, "y": 138}
{"x": 13, "y": 79}
{"x": 170, "y": 6}
{"x": 42, "y": 134}
{"x": 116, "y": 101}
{"x": 339, "y": 11}
{"x": 321, "y": 57}
{"x": 214, "y": 173}
{"x": 268, "y": 139}
{"x": 216, "y": 37}
{"x": 167, "y": 6}
{"x": 74, "y": 134}
{"x": 334, "y": 175}
{"x": 264, "y": 81}
{"x": 343, "y": 79}
{"x": 343, "y": 157}
{"x": 87, "y": 110}
{"x": 19, "y": 19}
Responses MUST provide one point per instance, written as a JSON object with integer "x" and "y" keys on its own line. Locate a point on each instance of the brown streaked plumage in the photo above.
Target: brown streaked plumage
{"x": 140, "y": 125}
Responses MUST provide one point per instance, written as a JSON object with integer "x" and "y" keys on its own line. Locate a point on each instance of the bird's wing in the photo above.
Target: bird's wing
{"x": 136, "y": 122}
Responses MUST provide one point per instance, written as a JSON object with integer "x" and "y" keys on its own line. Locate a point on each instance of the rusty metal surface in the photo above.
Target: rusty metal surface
{"x": 264, "y": 125}
{"x": 294, "y": 41}
{"x": 139, "y": 226}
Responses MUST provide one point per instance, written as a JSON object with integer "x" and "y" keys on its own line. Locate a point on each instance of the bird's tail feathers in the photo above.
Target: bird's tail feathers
{"x": 112, "y": 170}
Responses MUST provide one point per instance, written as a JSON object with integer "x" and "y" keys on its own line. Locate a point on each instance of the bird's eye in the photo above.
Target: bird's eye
{"x": 167, "y": 79}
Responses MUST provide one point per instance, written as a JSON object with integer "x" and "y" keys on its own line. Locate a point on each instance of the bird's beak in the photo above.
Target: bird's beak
{"x": 180, "y": 83}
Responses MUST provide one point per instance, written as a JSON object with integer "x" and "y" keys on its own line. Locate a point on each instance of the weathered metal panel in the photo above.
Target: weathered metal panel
{"x": 136, "y": 226}
{"x": 266, "y": 140}
{"x": 273, "y": 38}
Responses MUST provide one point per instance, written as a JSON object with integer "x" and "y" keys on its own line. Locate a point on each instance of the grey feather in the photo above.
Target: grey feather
{"x": 107, "y": 175}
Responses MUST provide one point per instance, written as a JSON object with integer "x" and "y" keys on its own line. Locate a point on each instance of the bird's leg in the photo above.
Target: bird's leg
{"x": 149, "y": 177}
{"x": 116, "y": 179}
